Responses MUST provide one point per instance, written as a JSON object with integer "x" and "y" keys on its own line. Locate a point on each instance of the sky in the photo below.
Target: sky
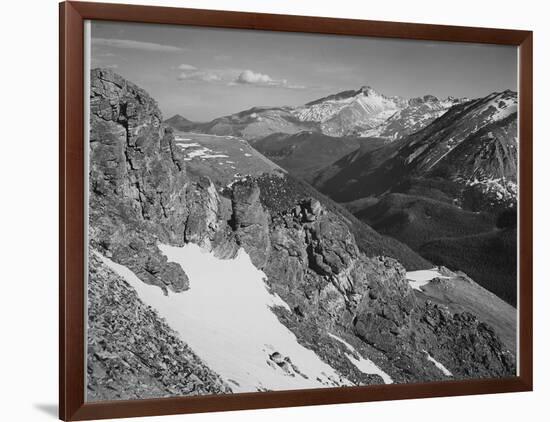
{"x": 204, "y": 73}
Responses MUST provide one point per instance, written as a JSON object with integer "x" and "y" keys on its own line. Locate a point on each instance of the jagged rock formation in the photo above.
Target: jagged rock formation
{"x": 140, "y": 191}
{"x": 141, "y": 195}
{"x": 317, "y": 268}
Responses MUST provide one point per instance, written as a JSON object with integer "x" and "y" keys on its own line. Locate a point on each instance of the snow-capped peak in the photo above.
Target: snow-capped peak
{"x": 367, "y": 112}
{"x": 498, "y": 106}
{"x": 363, "y": 105}
{"x": 368, "y": 91}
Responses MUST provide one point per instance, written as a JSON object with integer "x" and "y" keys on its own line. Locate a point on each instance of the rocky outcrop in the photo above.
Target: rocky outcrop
{"x": 314, "y": 264}
{"x": 140, "y": 193}
{"x": 462, "y": 337}
{"x": 383, "y": 315}
{"x": 250, "y": 222}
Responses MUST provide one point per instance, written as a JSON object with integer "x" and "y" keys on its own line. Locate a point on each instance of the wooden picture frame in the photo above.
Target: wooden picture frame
{"x": 72, "y": 405}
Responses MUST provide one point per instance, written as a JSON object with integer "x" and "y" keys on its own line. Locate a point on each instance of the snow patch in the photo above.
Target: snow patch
{"x": 499, "y": 107}
{"x": 226, "y": 317}
{"x": 215, "y": 156}
{"x": 501, "y": 188}
{"x": 237, "y": 178}
{"x": 439, "y": 365}
{"x": 185, "y": 145}
{"x": 203, "y": 153}
{"x": 364, "y": 365}
{"x": 420, "y": 278}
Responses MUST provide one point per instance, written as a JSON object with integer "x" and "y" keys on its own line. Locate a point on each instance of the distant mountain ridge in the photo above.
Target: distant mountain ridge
{"x": 180, "y": 123}
{"x": 366, "y": 112}
{"x": 418, "y": 113}
{"x": 474, "y": 144}
{"x": 363, "y": 112}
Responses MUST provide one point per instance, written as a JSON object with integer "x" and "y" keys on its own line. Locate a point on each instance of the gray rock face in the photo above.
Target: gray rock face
{"x": 384, "y": 313}
{"x": 140, "y": 193}
{"x": 314, "y": 264}
{"x": 131, "y": 155}
{"x": 461, "y": 337}
{"x": 250, "y": 222}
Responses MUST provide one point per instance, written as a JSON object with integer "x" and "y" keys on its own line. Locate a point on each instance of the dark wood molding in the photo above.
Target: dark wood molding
{"x": 72, "y": 213}
{"x": 289, "y": 23}
{"x": 526, "y": 210}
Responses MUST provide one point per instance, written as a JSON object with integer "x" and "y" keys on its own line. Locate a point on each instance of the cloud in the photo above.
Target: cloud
{"x": 232, "y": 77}
{"x": 249, "y": 77}
{"x": 188, "y": 67}
{"x": 200, "y": 75}
{"x": 135, "y": 45}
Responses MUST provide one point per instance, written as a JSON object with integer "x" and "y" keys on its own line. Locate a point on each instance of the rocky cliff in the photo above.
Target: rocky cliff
{"x": 314, "y": 264}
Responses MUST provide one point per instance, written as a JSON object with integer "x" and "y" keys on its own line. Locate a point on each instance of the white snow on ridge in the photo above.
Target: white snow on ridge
{"x": 505, "y": 112}
{"x": 215, "y": 156}
{"x": 420, "y": 278}
{"x": 373, "y": 104}
{"x": 185, "y": 145}
{"x": 499, "y": 107}
{"x": 439, "y": 365}
{"x": 203, "y": 152}
{"x": 501, "y": 188}
{"x": 364, "y": 365}
{"x": 227, "y": 320}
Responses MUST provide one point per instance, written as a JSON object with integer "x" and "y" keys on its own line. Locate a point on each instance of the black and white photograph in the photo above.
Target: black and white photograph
{"x": 272, "y": 211}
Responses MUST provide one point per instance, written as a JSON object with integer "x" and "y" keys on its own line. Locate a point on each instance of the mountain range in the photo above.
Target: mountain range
{"x": 215, "y": 268}
{"x": 474, "y": 144}
{"x": 362, "y": 112}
